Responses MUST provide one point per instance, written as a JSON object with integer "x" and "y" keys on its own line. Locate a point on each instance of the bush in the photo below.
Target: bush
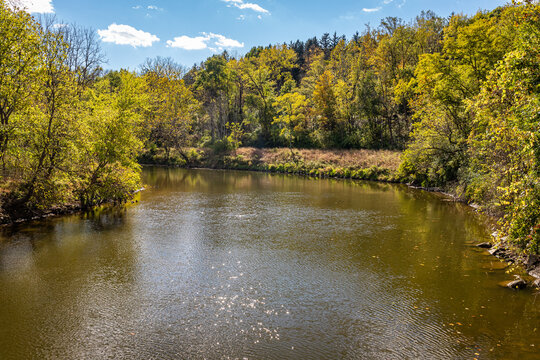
{"x": 220, "y": 146}
{"x": 195, "y": 156}
{"x": 523, "y": 220}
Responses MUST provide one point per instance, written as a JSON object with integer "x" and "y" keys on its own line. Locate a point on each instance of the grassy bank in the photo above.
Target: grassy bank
{"x": 377, "y": 165}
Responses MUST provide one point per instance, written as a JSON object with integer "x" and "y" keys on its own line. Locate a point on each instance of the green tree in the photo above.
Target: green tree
{"x": 236, "y": 133}
{"x": 52, "y": 127}
{"x": 445, "y": 83}
{"x": 20, "y": 50}
{"x": 171, "y": 111}
{"x": 292, "y": 117}
{"x": 107, "y": 167}
{"x": 214, "y": 87}
{"x": 505, "y": 144}
{"x": 265, "y": 75}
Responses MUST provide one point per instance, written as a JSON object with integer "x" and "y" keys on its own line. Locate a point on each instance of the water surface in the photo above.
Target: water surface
{"x": 215, "y": 264}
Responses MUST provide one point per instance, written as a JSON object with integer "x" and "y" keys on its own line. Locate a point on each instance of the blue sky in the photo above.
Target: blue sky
{"x": 191, "y": 30}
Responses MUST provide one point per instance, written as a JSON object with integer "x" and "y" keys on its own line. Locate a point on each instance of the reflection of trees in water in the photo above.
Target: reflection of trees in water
{"x": 64, "y": 278}
{"x": 162, "y": 178}
{"x": 445, "y": 268}
{"x": 103, "y": 230}
{"x": 107, "y": 218}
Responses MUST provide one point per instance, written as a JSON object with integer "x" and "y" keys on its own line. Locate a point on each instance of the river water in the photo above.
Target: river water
{"x": 217, "y": 265}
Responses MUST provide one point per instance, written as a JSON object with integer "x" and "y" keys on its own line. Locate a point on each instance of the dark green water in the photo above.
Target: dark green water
{"x": 216, "y": 265}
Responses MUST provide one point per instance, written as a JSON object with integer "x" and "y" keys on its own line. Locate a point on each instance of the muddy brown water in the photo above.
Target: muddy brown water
{"x": 219, "y": 264}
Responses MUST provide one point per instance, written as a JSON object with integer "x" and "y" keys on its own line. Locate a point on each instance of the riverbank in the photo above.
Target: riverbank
{"x": 381, "y": 165}
{"x": 372, "y": 165}
{"x": 20, "y": 217}
{"x": 375, "y": 165}
{"x": 7, "y": 219}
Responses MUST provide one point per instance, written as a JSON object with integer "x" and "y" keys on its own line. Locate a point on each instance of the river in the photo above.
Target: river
{"x": 220, "y": 264}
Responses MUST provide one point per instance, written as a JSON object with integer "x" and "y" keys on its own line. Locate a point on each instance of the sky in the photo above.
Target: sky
{"x": 189, "y": 31}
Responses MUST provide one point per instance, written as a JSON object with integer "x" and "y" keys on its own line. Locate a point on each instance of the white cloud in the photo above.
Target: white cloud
{"x": 207, "y": 41}
{"x": 127, "y": 35}
{"x": 387, "y": 1}
{"x": 149, "y": 7}
{"x": 33, "y": 6}
{"x": 371, "y": 10}
{"x": 249, "y": 6}
{"x": 254, "y": 7}
{"x": 223, "y": 42}
{"x": 189, "y": 43}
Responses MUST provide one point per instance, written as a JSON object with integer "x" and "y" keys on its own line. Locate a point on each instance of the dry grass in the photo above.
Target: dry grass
{"x": 338, "y": 158}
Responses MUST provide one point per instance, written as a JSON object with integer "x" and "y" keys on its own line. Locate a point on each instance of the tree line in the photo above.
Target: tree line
{"x": 68, "y": 135}
{"x": 459, "y": 95}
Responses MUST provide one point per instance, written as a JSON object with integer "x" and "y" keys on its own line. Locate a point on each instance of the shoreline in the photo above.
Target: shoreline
{"x": 60, "y": 211}
{"x": 55, "y": 211}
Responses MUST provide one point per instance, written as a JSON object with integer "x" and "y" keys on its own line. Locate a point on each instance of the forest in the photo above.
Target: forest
{"x": 459, "y": 96}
